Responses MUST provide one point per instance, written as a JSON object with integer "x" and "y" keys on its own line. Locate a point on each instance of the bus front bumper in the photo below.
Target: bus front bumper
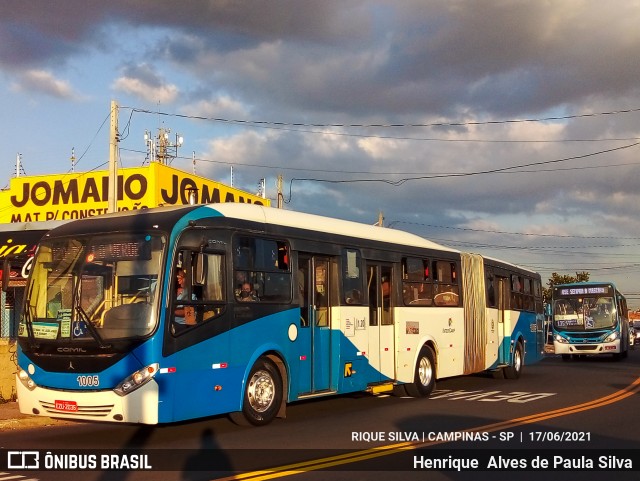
{"x": 139, "y": 406}
{"x": 587, "y": 348}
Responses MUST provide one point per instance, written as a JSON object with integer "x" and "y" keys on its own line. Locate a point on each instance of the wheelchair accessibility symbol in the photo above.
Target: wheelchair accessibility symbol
{"x": 79, "y": 329}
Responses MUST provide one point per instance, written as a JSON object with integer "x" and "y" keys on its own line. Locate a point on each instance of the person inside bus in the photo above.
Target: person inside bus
{"x": 184, "y": 316}
{"x": 247, "y": 294}
{"x": 386, "y": 300}
{"x": 386, "y": 291}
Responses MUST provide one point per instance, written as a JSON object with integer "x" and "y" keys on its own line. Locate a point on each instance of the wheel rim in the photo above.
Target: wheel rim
{"x": 517, "y": 360}
{"x": 425, "y": 371}
{"x": 261, "y": 391}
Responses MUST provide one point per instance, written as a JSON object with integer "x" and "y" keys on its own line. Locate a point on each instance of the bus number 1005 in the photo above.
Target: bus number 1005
{"x": 84, "y": 381}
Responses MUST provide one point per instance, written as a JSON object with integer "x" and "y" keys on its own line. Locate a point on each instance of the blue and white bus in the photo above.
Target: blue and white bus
{"x": 277, "y": 307}
{"x": 590, "y": 318}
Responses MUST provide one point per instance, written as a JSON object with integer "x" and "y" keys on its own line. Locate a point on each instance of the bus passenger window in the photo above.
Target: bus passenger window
{"x": 351, "y": 277}
{"x": 303, "y": 294}
{"x": 491, "y": 290}
{"x": 445, "y": 289}
{"x": 322, "y": 294}
{"x": 386, "y": 288}
{"x": 416, "y": 282}
{"x": 264, "y": 264}
{"x": 528, "y": 303}
{"x": 516, "y": 292}
{"x": 199, "y": 293}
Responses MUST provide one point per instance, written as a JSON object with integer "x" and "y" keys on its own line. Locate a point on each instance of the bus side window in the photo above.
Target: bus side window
{"x": 264, "y": 265}
{"x": 491, "y": 290}
{"x": 537, "y": 295}
{"x": 445, "y": 289}
{"x": 416, "y": 282}
{"x": 303, "y": 294}
{"x": 528, "y": 295}
{"x": 352, "y": 278}
{"x": 516, "y": 292}
{"x": 201, "y": 278}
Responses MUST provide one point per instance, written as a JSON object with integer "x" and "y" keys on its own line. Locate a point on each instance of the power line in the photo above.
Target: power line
{"x": 398, "y": 125}
{"x": 92, "y": 140}
{"x": 334, "y": 171}
{"x": 479, "y": 172}
{"x": 468, "y": 229}
{"x": 397, "y": 183}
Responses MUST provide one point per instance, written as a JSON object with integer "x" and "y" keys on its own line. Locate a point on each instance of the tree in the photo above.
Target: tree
{"x": 562, "y": 279}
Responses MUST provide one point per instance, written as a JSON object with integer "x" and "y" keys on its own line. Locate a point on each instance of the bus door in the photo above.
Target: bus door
{"x": 504, "y": 297}
{"x": 315, "y": 326}
{"x": 381, "y": 352}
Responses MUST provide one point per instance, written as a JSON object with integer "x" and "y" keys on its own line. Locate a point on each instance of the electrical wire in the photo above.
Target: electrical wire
{"x": 385, "y": 126}
{"x": 468, "y": 229}
{"x": 400, "y": 182}
{"x": 92, "y": 141}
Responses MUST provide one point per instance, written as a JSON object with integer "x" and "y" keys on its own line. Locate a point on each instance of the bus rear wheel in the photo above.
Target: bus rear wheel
{"x": 514, "y": 370}
{"x": 262, "y": 395}
{"x": 424, "y": 380}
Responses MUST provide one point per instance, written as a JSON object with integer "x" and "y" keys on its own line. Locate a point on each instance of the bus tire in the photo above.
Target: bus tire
{"x": 424, "y": 379}
{"x": 262, "y": 395}
{"x": 514, "y": 370}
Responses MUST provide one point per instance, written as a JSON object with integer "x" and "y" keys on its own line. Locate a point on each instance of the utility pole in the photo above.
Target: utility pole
{"x": 380, "y": 222}
{"x": 279, "y": 186}
{"x": 113, "y": 161}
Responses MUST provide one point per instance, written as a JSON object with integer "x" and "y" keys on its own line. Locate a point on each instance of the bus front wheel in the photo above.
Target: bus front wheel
{"x": 262, "y": 395}
{"x": 514, "y": 370}
{"x": 424, "y": 380}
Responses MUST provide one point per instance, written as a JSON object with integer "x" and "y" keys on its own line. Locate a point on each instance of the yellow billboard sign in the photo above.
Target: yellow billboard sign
{"x": 79, "y": 195}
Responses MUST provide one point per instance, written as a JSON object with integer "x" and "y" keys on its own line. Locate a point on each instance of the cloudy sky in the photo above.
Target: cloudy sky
{"x": 509, "y": 128}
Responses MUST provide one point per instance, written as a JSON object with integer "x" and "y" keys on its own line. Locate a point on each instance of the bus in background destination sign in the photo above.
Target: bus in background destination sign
{"x": 583, "y": 291}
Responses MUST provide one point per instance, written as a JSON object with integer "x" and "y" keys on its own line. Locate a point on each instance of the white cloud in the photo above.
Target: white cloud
{"x": 165, "y": 93}
{"x": 220, "y": 107}
{"x": 44, "y": 82}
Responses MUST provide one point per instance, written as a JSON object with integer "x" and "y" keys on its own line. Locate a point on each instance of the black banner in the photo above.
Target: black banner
{"x": 226, "y": 462}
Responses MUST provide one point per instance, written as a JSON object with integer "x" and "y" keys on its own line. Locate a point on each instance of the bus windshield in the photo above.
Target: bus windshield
{"x": 584, "y": 313}
{"x": 99, "y": 288}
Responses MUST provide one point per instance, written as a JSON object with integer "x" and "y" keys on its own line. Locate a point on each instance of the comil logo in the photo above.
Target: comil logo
{"x": 23, "y": 460}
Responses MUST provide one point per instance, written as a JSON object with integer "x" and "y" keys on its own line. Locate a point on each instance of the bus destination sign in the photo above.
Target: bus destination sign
{"x": 584, "y": 291}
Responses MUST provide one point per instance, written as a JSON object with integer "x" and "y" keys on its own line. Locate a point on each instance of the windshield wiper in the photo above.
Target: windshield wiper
{"x": 91, "y": 328}
{"x": 28, "y": 324}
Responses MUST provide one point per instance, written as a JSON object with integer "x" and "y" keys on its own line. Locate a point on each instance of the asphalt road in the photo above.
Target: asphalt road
{"x": 581, "y": 417}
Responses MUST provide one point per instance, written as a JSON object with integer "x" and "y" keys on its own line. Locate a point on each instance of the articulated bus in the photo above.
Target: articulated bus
{"x": 589, "y": 318}
{"x": 276, "y": 307}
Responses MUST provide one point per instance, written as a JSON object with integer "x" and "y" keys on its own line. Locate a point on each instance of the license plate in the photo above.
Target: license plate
{"x": 67, "y": 406}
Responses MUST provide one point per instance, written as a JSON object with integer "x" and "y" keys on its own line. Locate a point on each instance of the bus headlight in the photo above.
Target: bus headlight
{"x": 560, "y": 339}
{"x": 612, "y": 337}
{"x": 136, "y": 380}
{"x": 26, "y": 380}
